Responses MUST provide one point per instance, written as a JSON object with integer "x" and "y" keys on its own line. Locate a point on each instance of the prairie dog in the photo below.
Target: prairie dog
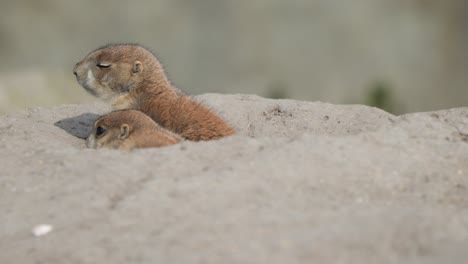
{"x": 131, "y": 77}
{"x": 127, "y": 130}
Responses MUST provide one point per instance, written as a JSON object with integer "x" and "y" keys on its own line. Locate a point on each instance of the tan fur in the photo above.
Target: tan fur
{"x": 129, "y": 129}
{"x": 136, "y": 79}
{"x": 122, "y": 102}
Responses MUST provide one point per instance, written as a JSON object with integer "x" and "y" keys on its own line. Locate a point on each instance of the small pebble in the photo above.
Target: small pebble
{"x": 41, "y": 230}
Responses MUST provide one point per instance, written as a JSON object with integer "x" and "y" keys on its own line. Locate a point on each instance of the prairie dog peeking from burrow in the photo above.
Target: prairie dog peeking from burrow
{"x": 131, "y": 77}
{"x": 127, "y": 130}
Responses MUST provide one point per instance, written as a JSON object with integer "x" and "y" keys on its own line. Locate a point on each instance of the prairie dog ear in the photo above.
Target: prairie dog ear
{"x": 137, "y": 67}
{"x": 124, "y": 131}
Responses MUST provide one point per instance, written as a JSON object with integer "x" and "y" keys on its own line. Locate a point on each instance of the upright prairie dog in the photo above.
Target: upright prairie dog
{"x": 131, "y": 77}
{"x": 129, "y": 129}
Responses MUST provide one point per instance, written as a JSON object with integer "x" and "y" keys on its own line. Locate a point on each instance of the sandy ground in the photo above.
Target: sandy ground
{"x": 303, "y": 182}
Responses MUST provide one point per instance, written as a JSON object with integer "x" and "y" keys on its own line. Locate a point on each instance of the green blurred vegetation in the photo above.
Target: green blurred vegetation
{"x": 380, "y": 94}
{"x": 305, "y": 50}
{"x": 277, "y": 90}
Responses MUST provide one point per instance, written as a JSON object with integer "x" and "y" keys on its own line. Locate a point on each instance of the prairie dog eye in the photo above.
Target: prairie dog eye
{"x": 103, "y": 65}
{"x": 100, "y": 130}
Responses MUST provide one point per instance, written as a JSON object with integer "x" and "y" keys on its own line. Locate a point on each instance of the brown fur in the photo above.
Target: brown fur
{"x": 129, "y": 129}
{"x": 131, "y": 77}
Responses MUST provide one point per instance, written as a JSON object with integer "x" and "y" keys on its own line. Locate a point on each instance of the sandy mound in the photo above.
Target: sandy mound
{"x": 302, "y": 183}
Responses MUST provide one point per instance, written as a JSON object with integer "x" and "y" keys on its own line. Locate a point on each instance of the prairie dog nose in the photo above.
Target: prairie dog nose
{"x": 74, "y": 69}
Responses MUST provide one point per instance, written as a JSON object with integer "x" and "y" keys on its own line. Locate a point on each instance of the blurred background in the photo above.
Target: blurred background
{"x": 399, "y": 55}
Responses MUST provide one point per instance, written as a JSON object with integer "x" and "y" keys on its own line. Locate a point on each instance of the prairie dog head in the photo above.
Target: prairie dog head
{"x": 129, "y": 129}
{"x": 113, "y": 71}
